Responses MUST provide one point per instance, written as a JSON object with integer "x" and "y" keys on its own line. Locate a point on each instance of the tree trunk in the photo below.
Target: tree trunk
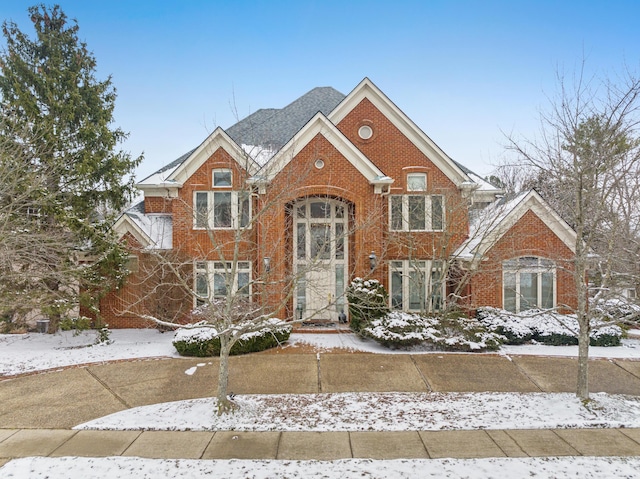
{"x": 582, "y": 315}
{"x": 582, "y": 390}
{"x": 224, "y": 404}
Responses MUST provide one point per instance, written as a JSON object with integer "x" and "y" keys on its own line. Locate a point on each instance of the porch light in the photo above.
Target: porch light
{"x": 373, "y": 260}
{"x": 267, "y": 263}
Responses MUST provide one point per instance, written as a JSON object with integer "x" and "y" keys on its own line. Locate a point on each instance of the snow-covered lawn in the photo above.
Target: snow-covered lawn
{"x": 324, "y": 412}
{"x": 381, "y": 412}
{"x": 24, "y": 353}
{"x": 137, "y": 468}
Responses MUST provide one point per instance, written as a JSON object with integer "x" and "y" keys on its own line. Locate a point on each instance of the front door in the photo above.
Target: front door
{"x": 320, "y": 258}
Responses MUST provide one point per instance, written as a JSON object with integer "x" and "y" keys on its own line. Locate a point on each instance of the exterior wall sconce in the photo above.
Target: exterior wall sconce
{"x": 373, "y": 259}
{"x": 267, "y": 263}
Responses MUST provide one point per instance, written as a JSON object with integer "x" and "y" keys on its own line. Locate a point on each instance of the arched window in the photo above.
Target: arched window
{"x": 528, "y": 283}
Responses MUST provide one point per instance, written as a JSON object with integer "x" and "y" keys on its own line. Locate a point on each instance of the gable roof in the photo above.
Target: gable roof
{"x": 176, "y": 173}
{"x": 367, "y": 89}
{"x": 273, "y": 128}
{"x": 319, "y": 124}
{"x": 154, "y": 231}
{"x": 263, "y": 132}
{"x": 495, "y": 220}
{"x": 266, "y": 131}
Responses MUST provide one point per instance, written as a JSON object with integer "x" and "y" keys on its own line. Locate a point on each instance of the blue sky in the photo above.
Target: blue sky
{"x": 465, "y": 72}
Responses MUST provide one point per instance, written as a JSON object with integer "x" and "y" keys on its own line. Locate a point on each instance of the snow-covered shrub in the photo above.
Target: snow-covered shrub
{"x": 514, "y": 328}
{"x": 103, "y": 335}
{"x": 368, "y": 300}
{"x": 201, "y": 339}
{"x": 547, "y": 327}
{"x": 399, "y": 329}
{"x": 616, "y": 310}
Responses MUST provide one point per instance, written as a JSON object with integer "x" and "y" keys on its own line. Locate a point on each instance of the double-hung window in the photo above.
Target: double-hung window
{"x": 214, "y": 279}
{"x": 528, "y": 283}
{"x": 222, "y": 209}
{"x": 416, "y": 285}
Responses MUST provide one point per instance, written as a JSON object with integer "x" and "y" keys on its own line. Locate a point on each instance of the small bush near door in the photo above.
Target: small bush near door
{"x": 368, "y": 300}
{"x": 201, "y": 340}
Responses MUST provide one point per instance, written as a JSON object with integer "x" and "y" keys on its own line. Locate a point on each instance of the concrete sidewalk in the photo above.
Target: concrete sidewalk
{"x": 63, "y": 399}
{"x": 319, "y": 445}
{"x": 37, "y": 412}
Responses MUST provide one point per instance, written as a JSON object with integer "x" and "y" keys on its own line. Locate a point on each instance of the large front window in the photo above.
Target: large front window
{"x": 416, "y": 213}
{"x": 528, "y": 283}
{"x": 416, "y": 285}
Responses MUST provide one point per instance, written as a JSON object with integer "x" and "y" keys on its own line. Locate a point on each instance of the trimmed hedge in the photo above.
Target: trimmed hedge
{"x": 202, "y": 341}
{"x": 545, "y": 327}
{"x": 449, "y": 333}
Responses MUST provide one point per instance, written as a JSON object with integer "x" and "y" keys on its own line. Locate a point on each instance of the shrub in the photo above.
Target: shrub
{"x": 368, "y": 300}
{"x": 202, "y": 340}
{"x": 616, "y": 310}
{"x": 79, "y": 324}
{"x": 449, "y": 333}
{"x": 399, "y": 329}
{"x": 606, "y": 336}
{"x": 515, "y": 329}
{"x": 546, "y": 327}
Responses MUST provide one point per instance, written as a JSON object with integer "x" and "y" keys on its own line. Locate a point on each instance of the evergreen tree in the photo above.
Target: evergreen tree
{"x": 61, "y": 116}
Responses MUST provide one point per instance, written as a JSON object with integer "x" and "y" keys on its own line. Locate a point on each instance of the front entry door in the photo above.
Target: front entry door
{"x": 321, "y": 253}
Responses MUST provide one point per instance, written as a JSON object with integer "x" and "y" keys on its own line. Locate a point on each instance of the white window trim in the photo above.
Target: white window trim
{"x": 405, "y": 213}
{"x": 235, "y": 210}
{"x": 416, "y": 175}
{"x": 408, "y": 266}
{"x": 530, "y": 269}
{"x": 211, "y": 268}
{"x": 221, "y": 170}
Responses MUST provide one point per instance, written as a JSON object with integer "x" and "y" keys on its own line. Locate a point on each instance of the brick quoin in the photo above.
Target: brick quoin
{"x": 392, "y": 152}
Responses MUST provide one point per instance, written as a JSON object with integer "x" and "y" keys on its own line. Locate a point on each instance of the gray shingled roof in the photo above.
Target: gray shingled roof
{"x": 272, "y": 127}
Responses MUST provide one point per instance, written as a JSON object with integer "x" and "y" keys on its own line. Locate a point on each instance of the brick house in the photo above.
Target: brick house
{"x": 287, "y": 206}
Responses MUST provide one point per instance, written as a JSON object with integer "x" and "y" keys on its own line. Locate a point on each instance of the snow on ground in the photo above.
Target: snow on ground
{"x": 24, "y": 353}
{"x": 138, "y": 468}
{"x": 381, "y": 412}
{"x": 348, "y": 411}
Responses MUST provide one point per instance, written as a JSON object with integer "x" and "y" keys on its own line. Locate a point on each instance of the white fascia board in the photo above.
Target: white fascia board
{"x": 366, "y": 89}
{"x": 217, "y": 139}
{"x": 320, "y": 124}
{"x": 125, "y": 225}
{"x": 163, "y": 190}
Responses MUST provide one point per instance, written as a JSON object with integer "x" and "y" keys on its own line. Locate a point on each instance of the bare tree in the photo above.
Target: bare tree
{"x": 236, "y": 274}
{"x": 587, "y": 150}
{"x": 32, "y": 254}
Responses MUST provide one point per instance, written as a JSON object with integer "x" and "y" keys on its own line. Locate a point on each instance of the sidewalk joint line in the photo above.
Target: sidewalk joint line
{"x": 421, "y": 374}
{"x": 319, "y": 373}
{"x": 106, "y": 386}
{"x": 278, "y": 444}
{"x": 131, "y": 443}
{"x": 615, "y": 361}
{"x": 424, "y": 444}
{"x": 69, "y": 439}
{"x": 566, "y": 442}
{"x": 526, "y": 375}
